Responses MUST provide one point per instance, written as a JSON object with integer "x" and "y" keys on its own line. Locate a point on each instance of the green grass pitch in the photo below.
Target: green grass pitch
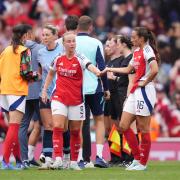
{"x": 168, "y": 170}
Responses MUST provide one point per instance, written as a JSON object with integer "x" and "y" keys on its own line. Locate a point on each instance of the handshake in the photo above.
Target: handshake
{"x": 103, "y": 72}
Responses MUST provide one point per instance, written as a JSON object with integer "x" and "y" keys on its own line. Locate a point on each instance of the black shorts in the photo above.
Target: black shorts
{"x": 95, "y": 103}
{"x": 43, "y": 105}
{"x": 116, "y": 103}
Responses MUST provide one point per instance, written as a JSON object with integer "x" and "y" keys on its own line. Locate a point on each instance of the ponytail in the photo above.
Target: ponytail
{"x": 153, "y": 44}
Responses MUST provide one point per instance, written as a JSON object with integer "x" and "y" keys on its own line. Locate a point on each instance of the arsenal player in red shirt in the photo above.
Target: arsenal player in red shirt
{"x": 67, "y": 99}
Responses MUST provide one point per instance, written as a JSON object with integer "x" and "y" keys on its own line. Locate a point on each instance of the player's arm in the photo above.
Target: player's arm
{"x": 48, "y": 80}
{"x": 93, "y": 69}
{"x": 86, "y": 64}
{"x": 151, "y": 60}
{"x": 131, "y": 81}
{"x": 153, "y": 72}
{"x": 123, "y": 70}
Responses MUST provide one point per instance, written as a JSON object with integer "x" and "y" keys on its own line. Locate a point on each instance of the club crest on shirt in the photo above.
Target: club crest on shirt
{"x": 74, "y": 65}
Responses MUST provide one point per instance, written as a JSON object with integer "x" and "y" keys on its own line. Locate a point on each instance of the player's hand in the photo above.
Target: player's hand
{"x": 111, "y": 76}
{"x": 98, "y": 73}
{"x": 104, "y": 71}
{"x": 106, "y": 95}
{"x": 141, "y": 83}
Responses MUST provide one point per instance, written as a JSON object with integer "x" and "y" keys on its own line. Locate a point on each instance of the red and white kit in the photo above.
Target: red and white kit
{"x": 67, "y": 99}
{"x": 141, "y": 99}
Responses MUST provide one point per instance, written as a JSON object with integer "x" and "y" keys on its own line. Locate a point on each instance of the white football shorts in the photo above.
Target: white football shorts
{"x": 12, "y": 103}
{"x": 142, "y": 101}
{"x": 71, "y": 112}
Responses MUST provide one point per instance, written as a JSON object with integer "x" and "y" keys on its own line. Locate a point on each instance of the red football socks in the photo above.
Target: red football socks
{"x": 58, "y": 141}
{"x": 74, "y": 144}
{"x": 11, "y": 143}
{"x": 133, "y": 143}
{"x": 145, "y": 147}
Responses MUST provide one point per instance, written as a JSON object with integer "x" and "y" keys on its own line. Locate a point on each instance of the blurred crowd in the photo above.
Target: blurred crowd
{"x": 113, "y": 17}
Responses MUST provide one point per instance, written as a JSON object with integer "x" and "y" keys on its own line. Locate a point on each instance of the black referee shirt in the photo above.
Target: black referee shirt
{"x": 122, "y": 81}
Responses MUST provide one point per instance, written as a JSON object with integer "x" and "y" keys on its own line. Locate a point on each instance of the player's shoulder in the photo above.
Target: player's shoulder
{"x": 147, "y": 48}
{"x": 57, "y": 59}
{"x": 61, "y": 56}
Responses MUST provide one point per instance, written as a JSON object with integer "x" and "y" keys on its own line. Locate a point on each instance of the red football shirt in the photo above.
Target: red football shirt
{"x": 69, "y": 79}
{"x": 141, "y": 63}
